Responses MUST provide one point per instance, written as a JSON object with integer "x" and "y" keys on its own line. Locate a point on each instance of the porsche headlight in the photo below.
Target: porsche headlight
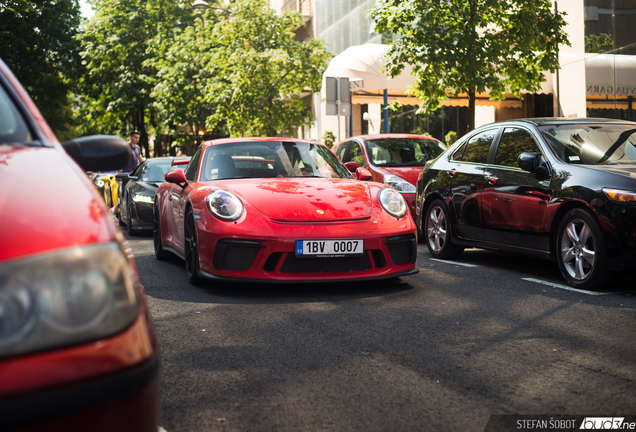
{"x": 225, "y": 205}
{"x": 69, "y": 297}
{"x": 392, "y": 202}
{"x": 399, "y": 184}
{"x": 143, "y": 198}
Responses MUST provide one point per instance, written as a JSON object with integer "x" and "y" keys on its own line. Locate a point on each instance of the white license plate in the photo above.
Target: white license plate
{"x": 329, "y": 248}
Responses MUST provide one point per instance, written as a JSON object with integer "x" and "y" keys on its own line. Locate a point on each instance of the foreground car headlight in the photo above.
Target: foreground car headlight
{"x": 620, "y": 195}
{"x": 65, "y": 298}
{"x": 143, "y": 198}
{"x": 392, "y": 202}
{"x": 399, "y": 184}
{"x": 225, "y": 205}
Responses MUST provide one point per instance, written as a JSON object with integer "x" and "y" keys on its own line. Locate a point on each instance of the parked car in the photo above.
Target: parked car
{"x": 563, "y": 189}
{"x": 77, "y": 350}
{"x": 393, "y": 159}
{"x": 111, "y": 190}
{"x": 97, "y": 177}
{"x": 281, "y": 209}
{"x": 138, "y": 197}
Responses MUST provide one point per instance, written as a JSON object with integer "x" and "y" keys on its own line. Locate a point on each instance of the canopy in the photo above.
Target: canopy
{"x": 363, "y": 64}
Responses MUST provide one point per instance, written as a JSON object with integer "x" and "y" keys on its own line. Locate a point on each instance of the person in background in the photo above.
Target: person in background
{"x": 135, "y": 160}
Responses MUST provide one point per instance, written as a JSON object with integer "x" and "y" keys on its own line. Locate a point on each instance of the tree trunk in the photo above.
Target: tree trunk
{"x": 471, "y": 110}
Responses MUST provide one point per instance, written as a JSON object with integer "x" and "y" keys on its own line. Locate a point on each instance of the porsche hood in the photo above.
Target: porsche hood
{"x": 307, "y": 199}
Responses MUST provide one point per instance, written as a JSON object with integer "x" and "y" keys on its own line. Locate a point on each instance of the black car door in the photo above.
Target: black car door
{"x": 514, "y": 201}
{"x": 465, "y": 171}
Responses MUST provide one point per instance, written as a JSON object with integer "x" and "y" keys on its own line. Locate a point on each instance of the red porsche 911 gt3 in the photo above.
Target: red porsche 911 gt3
{"x": 281, "y": 210}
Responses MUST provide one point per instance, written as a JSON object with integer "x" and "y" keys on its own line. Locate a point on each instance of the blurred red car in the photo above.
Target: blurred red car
{"x": 281, "y": 210}
{"x": 77, "y": 350}
{"x": 393, "y": 159}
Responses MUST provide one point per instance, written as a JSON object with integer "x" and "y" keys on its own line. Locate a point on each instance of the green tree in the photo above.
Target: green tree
{"x": 37, "y": 43}
{"x": 259, "y": 70}
{"x": 598, "y": 43}
{"x": 471, "y": 46}
{"x": 120, "y": 47}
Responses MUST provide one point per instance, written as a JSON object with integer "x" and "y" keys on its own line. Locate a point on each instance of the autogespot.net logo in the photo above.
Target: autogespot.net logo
{"x": 607, "y": 423}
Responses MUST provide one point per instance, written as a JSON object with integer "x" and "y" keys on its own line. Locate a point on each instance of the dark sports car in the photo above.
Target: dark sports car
{"x": 563, "y": 189}
{"x": 135, "y": 208}
{"x": 284, "y": 210}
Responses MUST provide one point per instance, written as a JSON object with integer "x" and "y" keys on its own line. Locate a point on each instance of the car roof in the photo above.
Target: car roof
{"x": 391, "y": 135}
{"x": 544, "y": 121}
{"x": 255, "y": 139}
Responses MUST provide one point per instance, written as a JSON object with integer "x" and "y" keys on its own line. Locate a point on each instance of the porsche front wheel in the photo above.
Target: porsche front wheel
{"x": 160, "y": 252}
{"x": 437, "y": 229}
{"x": 191, "y": 250}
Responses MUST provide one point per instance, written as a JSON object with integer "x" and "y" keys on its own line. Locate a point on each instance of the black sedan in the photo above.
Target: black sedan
{"x": 138, "y": 196}
{"x": 562, "y": 189}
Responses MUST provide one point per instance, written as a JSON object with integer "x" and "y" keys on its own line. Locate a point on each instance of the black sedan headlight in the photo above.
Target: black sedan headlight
{"x": 68, "y": 297}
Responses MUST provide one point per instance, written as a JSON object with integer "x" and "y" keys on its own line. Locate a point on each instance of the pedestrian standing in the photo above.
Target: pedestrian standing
{"x": 135, "y": 160}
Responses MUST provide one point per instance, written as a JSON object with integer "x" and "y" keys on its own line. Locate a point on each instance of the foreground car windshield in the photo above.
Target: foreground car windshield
{"x": 592, "y": 144}
{"x": 271, "y": 159}
{"x": 403, "y": 151}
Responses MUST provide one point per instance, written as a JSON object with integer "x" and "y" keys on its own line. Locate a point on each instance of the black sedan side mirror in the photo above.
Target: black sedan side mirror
{"x": 99, "y": 152}
{"x": 535, "y": 164}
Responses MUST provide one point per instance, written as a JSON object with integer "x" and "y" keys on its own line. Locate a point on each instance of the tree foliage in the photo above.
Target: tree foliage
{"x": 599, "y": 43}
{"x": 37, "y": 43}
{"x": 471, "y": 46}
{"x": 260, "y": 70}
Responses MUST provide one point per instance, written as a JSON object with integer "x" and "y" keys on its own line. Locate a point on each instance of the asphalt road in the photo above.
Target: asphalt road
{"x": 489, "y": 334}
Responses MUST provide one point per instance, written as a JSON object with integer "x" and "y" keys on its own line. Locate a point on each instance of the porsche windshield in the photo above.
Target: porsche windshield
{"x": 403, "y": 151}
{"x": 592, "y": 144}
{"x": 270, "y": 159}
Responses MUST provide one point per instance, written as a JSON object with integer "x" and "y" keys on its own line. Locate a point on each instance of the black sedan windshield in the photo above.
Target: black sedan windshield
{"x": 270, "y": 159}
{"x": 592, "y": 144}
{"x": 403, "y": 151}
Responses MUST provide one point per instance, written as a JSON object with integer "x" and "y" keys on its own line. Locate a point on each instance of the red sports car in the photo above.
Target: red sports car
{"x": 77, "y": 350}
{"x": 281, "y": 210}
{"x": 393, "y": 159}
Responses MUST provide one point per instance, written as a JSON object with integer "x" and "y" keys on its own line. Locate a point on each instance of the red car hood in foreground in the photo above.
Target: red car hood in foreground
{"x": 407, "y": 173}
{"x": 50, "y": 192}
{"x": 306, "y": 199}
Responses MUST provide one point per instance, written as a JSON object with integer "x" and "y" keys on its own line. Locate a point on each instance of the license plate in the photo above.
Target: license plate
{"x": 329, "y": 248}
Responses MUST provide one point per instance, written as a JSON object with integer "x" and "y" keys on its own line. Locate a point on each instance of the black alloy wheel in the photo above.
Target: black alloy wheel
{"x": 129, "y": 225}
{"x": 191, "y": 250}
{"x": 437, "y": 229}
{"x": 582, "y": 252}
{"x": 160, "y": 252}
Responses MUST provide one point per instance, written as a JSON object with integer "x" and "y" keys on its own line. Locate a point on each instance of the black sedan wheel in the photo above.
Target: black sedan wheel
{"x": 191, "y": 250}
{"x": 437, "y": 229}
{"x": 581, "y": 251}
{"x": 160, "y": 252}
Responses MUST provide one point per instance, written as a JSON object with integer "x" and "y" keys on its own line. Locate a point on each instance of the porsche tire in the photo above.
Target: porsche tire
{"x": 160, "y": 252}
{"x": 192, "y": 250}
{"x": 438, "y": 232}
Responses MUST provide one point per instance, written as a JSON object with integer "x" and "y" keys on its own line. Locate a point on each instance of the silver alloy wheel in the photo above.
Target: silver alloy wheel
{"x": 578, "y": 251}
{"x": 436, "y": 228}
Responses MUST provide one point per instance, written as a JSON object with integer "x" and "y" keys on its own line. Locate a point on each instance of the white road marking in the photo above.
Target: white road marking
{"x": 565, "y": 287}
{"x": 454, "y": 263}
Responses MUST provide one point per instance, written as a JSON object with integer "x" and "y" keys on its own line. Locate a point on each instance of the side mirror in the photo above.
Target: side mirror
{"x": 363, "y": 174}
{"x": 99, "y": 152}
{"x": 123, "y": 176}
{"x": 535, "y": 164}
{"x": 352, "y": 166}
{"x": 177, "y": 177}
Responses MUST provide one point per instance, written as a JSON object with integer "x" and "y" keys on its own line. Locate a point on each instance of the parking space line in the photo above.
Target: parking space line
{"x": 565, "y": 287}
{"x": 453, "y": 263}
